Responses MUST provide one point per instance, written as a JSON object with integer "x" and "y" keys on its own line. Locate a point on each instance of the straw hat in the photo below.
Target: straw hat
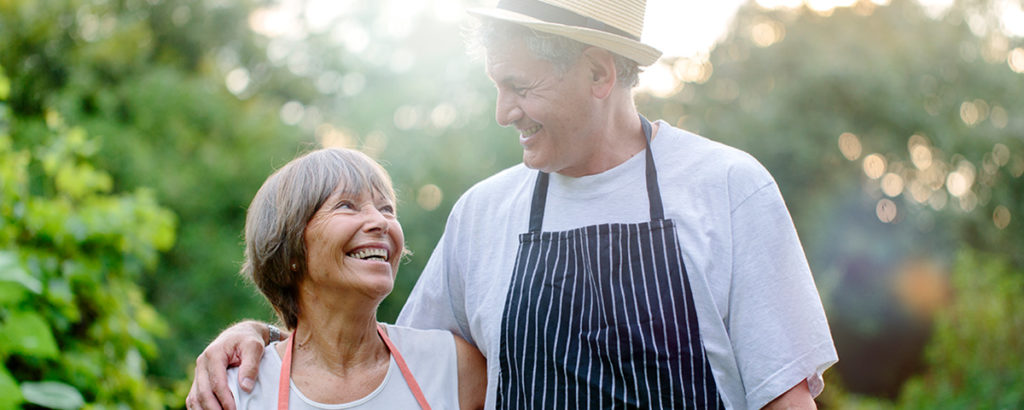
{"x": 614, "y": 25}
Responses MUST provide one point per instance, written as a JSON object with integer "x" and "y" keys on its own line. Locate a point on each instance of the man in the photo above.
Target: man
{"x": 624, "y": 264}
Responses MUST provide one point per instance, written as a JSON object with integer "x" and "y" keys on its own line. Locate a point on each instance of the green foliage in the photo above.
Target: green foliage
{"x": 74, "y": 326}
{"x": 934, "y": 98}
{"x": 975, "y": 353}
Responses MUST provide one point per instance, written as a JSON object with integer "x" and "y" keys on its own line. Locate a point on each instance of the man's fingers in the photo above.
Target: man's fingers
{"x": 201, "y": 395}
{"x": 248, "y": 369}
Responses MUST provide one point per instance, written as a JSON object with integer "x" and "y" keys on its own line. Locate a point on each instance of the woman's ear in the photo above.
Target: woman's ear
{"x": 601, "y": 64}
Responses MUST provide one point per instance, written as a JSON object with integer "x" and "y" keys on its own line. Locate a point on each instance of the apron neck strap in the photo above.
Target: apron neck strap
{"x": 540, "y": 187}
{"x": 284, "y": 385}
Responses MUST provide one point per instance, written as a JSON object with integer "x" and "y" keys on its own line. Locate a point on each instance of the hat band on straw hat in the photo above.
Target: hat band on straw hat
{"x": 554, "y": 14}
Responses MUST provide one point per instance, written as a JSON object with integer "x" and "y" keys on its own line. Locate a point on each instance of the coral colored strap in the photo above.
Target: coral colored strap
{"x": 284, "y": 385}
{"x": 411, "y": 381}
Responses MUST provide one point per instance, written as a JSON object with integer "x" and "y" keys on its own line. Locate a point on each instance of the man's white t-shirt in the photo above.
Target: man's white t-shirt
{"x": 760, "y": 315}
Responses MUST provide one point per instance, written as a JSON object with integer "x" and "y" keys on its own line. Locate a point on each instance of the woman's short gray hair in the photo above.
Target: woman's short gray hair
{"x": 275, "y": 224}
{"x": 560, "y": 51}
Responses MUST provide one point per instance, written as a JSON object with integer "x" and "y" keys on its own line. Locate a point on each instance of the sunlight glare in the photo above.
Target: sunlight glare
{"x": 448, "y": 10}
{"x": 292, "y": 112}
{"x": 936, "y": 8}
{"x": 1011, "y": 16}
{"x": 659, "y": 81}
{"x": 320, "y": 15}
{"x": 273, "y": 21}
{"x": 693, "y": 70}
{"x": 777, "y": 4}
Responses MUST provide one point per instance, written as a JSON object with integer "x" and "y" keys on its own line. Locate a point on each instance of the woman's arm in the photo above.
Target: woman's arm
{"x": 472, "y": 375}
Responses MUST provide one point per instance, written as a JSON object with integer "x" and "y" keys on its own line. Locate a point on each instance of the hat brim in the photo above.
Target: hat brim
{"x": 641, "y": 53}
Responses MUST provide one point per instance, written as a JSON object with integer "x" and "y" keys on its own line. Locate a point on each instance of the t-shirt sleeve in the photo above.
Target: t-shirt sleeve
{"x": 437, "y": 300}
{"x": 776, "y": 322}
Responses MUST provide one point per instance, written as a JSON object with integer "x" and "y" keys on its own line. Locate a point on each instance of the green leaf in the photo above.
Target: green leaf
{"x": 29, "y": 334}
{"x": 51, "y": 394}
{"x": 11, "y": 293}
{"x": 10, "y": 395}
{"x": 11, "y": 271}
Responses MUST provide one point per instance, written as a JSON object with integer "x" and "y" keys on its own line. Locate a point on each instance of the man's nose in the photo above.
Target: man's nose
{"x": 507, "y": 110}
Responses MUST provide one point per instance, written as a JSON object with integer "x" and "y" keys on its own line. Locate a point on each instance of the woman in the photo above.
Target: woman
{"x": 323, "y": 245}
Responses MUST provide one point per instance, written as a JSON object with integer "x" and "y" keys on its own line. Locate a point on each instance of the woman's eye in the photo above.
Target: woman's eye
{"x": 520, "y": 91}
{"x": 344, "y": 205}
{"x": 387, "y": 210}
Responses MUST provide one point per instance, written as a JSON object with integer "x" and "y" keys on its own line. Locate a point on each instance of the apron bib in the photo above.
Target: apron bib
{"x": 602, "y": 317}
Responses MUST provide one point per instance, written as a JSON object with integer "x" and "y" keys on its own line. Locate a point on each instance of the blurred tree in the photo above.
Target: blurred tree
{"x": 895, "y": 138}
{"x": 984, "y": 317}
{"x": 74, "y": 325}
{"x": 148, "y": 79}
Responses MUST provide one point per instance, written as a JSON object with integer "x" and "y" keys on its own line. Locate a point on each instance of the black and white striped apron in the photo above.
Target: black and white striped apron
{"x": 602, "y": 317}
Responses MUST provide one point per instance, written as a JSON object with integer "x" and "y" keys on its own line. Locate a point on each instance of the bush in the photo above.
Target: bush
{"x": 975, "y": 355}
{"x": 75, "y": 329}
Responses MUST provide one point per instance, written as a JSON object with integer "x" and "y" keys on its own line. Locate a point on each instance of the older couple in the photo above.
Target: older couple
{"x": 623, "y": 264}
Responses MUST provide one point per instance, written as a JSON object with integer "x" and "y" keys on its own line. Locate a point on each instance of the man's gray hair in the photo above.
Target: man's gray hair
{"x": 560, "y": 51}
{"x": 275, "y": 224}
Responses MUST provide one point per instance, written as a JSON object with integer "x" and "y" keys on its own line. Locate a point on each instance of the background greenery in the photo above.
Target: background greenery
{"x": 133, "y": 133}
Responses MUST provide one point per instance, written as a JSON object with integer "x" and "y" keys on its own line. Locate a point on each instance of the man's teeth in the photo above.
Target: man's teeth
{"x": 530, "y": 131}
{"x": 370, "y": 254}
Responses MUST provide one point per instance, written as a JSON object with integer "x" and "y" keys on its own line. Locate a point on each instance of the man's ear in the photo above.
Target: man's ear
{"x": 601, "y": 64}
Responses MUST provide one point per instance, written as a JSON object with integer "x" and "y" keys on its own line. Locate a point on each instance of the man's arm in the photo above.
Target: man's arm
{"x": 239, "y": 345}
{"x": 799, "y": 397}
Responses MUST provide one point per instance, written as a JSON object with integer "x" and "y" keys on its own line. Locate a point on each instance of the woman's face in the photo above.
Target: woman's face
{"x": 354, "y": 243}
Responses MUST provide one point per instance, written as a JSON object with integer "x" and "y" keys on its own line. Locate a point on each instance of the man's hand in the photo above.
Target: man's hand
{"x": 240, "y": 345}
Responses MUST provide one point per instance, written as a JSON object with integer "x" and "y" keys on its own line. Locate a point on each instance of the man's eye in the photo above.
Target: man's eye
{"x": 387, "y": 210}
{"x": 520, "y": 91}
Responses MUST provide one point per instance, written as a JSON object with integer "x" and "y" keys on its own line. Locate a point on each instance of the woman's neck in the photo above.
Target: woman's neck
{"x": 337, "y": 354}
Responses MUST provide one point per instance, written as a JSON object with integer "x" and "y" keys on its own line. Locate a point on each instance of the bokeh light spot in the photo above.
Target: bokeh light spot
{"x": 874, "y": 166}
{"x": 969, "y": 113}
{"x": 849, "y": 146}
{"x": 292, "y": 112}
{"x": 237, "y": 80}
{"x": 892, "y": 184}
{"x": 923, "y": 288}
{"x": 1001, "y": 154}
{"x": 1016, "y": 60}
{"x": 767, "y": 32}
{"x": 406, "y": 117}
{"x": 957, "y": 184}
{"x": 1001, "y": 217}
{"x": 886, "y": 210}
{"x": 921, "y": 156}
{"x": 999, "y": 118}
{"x": 374, "y": 144}
{"x": 429, "y": 197}
{"x": 331, "y": 137}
